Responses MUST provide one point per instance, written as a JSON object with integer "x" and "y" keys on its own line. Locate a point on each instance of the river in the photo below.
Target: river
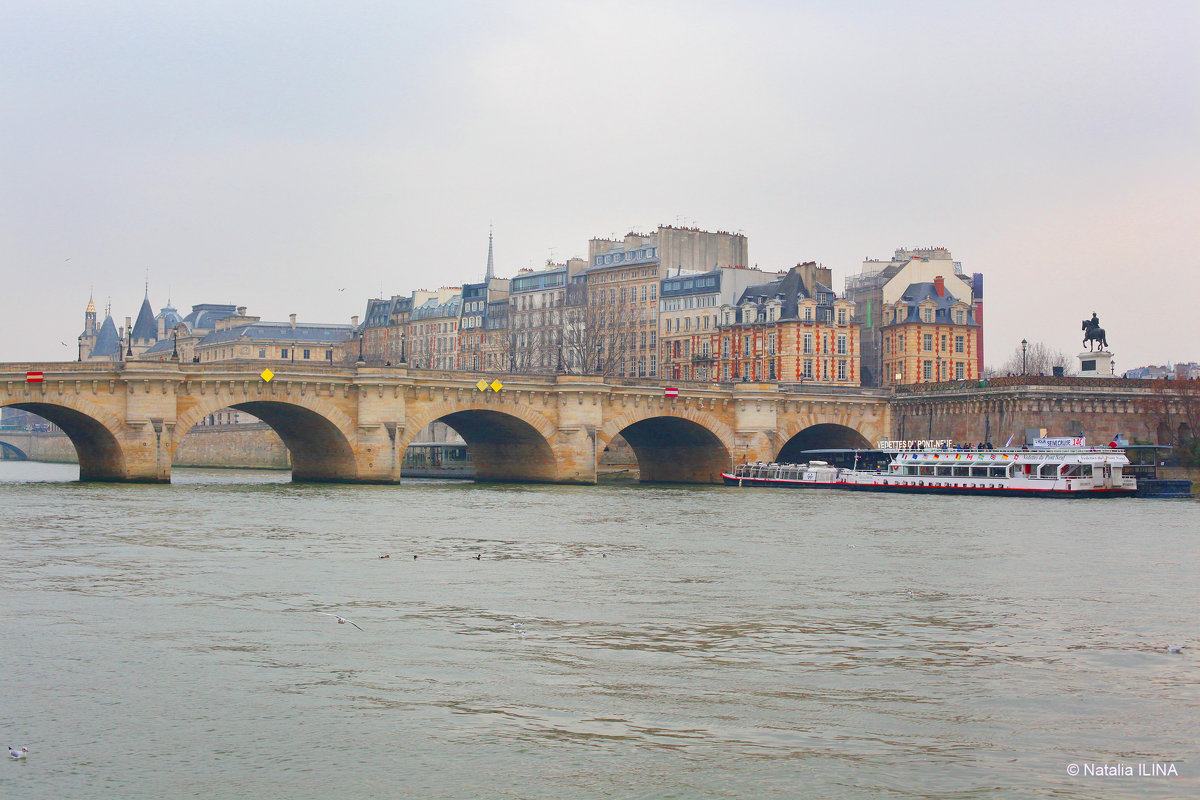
{"x": 590, "y": 642}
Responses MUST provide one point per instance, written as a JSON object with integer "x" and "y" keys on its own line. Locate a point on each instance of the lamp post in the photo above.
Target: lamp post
{"x": 1024, "y": 346}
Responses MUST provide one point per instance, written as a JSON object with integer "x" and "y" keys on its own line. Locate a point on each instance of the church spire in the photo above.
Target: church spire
{"x": 491, "y": 271}
{"x": 91, "y": 306}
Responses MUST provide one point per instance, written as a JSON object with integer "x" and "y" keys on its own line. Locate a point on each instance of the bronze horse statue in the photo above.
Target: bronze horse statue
{"x": 1093, "y": 333}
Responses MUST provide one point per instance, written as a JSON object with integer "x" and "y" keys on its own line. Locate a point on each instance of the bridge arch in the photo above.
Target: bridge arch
{"x": 688, "y": 446}
{"x": 10, "y": 452}
{"x": 318, "y": 436}
{"x": 507, "y": 443}
{"x": 95, "y": 433}
{"x": 819, "y": 436}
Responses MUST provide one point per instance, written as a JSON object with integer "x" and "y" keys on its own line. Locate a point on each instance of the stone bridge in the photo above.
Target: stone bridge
{"x": 352, "y": 424}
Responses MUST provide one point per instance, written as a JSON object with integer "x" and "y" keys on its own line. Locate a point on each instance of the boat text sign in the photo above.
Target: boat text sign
{"x": 1061, "y": 441}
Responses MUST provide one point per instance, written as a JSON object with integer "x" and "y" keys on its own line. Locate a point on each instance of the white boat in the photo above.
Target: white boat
{"x": 1051, "y": 469}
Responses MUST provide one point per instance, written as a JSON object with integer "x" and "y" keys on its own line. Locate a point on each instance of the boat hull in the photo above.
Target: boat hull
{"x": 981, "y": 491}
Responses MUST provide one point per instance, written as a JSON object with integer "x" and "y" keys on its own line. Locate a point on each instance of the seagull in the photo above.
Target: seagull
{"x": 478, "y": 556}
{"x": 14, "y": 752}
{"x": 389, "y": 555}
{"x": 1175, "y": 648}
{"x": 341, "y": 620}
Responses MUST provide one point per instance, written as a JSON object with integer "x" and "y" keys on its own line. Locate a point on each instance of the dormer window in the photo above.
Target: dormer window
{"x": 927, "y": 314}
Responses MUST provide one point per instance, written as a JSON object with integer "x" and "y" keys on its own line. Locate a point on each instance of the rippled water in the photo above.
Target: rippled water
{"x": 164, "y": 641}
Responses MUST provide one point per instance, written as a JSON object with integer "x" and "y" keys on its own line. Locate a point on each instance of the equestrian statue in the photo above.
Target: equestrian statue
{"x": 1092, "y": 332}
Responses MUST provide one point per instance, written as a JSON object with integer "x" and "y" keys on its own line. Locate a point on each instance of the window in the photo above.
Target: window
{"x": 771, "y": 369}
{"x": 746, "y": 346}
{"x": 725, "y": 347}
{"x": 283, "y": 352}
{"x": 643, "y": 293}
{"x": 306, "y": 353}
{"x": 807, "y": 314}
{"x": 653, "y": 292}
{"x": 653, "y": 366}
{"x": 771, "y": 346}
{"x": 807, "y": 373}
{"x": 927, "y": 370}
{"x": 958, "y": 371}
{"x": 943, "y": 343}
{"x": 958, "y": 344}
{"x": 928, "y": 342}
{"x": 841, "y": 371}
{"x": 654, "y": 338}
{"x": 841, "y": 316}
{"x": 927, "y": 314}
{"x": 808, "y": 343}
{"x": 841, "y": 345}
{"x": 262, "y": 352}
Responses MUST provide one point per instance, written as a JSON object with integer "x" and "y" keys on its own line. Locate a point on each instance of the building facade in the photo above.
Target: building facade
{"x": 792, "y": 329}
{"x": 689, "y": 309}
{"x": 883, "y": 283}
{"x": 929, "y": 336}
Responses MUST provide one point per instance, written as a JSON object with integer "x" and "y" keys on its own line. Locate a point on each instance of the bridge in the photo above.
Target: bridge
{"x": 352, "y": 424}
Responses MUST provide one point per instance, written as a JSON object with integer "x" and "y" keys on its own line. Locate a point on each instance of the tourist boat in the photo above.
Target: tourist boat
{"x": 1048, "y": 468}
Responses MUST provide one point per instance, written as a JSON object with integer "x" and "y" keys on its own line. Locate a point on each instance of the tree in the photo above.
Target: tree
{"x": 1038, "y": 358}
{"x": 1175, "y": 407}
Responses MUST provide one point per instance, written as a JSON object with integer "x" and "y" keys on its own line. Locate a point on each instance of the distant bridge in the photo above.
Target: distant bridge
{"x": 352, "y": 424}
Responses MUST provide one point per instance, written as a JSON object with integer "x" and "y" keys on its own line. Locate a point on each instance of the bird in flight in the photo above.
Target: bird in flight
{"x": 341, "y": 620}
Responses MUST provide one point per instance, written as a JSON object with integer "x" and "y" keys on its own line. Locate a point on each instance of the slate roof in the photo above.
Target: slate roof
{"x": 920, "y": 292}
{"x": 108, "y": 342}
{"x": 789, "y": 289}
{"x": 145, "y": 327}
{"x": 170, "y": 316}
{"x": 166, "y": 346}
{"x": 282, "y": 332}
{"x": 205, "y": 315}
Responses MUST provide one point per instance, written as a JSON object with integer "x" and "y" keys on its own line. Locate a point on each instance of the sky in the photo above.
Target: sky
{"x": 300, "y": 157}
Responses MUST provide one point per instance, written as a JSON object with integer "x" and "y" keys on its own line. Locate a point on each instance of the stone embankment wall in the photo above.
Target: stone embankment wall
{"x": 253, "y": 446}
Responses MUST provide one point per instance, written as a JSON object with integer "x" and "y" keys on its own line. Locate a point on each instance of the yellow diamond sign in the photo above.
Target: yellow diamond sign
{"x": 266, "y": 375}
{"x": 482, "y": 385}
{"x": 497, "y": 385}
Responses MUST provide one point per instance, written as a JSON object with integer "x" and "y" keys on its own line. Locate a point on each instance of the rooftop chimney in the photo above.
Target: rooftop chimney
{"x": 241, "y": 311}
{"x": 939, "y": 283}
{"x": 292, "y": 317}
{"x": 354, "y": 320}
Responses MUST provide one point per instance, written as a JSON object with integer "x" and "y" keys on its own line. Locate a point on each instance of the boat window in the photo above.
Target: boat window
{"x": 1073, "y": 471}
{"x": 962, "y": 472}
{"x": 979, "y": 472}
{"x": 997, "y": 472}
{"x": 943, "y": 472}
{"x": 925, "y": 470}
{"x": 1049, "y": 471}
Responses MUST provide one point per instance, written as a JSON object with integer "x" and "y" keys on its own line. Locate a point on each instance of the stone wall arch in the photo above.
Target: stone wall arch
{"x": 98, "y": 435}
{"x": 508, "y": 441}
{"x": 320, "y": 437}
{"x": 673, "y": 445}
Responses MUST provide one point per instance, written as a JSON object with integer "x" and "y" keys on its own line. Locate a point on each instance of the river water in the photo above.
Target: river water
{"x": 608, "y": 642}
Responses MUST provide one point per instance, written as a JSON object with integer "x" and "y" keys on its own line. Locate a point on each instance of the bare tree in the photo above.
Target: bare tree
{"x": 596, "y": 336}
{"x": 1038, "y": 358}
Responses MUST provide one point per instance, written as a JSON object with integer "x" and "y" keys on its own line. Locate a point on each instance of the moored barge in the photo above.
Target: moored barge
{"x": 1051, "y": 468}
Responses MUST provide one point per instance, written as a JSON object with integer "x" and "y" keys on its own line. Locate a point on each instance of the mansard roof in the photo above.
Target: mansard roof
{"x": 169, "y": 316}
{"x": 923, "y": 292}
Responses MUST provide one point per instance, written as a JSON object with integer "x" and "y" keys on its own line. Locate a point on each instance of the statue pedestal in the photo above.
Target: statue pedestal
{"x": 1097, "y": 364}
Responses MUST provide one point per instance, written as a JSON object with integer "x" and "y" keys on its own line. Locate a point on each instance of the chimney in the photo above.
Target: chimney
{"x": 292, "y": 317}
{"x": 939, "y": 283}
{"x": 241, "y": 311}
{"x": 354, "y": 320}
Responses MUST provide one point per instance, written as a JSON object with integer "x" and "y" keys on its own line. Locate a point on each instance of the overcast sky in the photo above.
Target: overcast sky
{"x": 271, "y": 154}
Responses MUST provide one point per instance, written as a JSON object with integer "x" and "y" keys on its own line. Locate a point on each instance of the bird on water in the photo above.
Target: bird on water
{"x": 18, "y": 752}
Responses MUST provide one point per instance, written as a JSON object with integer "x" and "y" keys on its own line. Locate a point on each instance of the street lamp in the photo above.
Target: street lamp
{"x": 1024, "y": 345}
